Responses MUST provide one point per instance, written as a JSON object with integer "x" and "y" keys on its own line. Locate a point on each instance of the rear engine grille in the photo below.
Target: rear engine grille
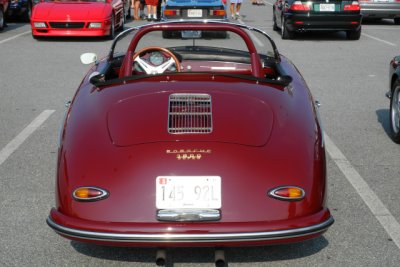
{"x": 67, "y": 25}
{"x": 189, "y": 114}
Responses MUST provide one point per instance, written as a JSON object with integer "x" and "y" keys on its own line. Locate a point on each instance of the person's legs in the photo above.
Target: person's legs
{"x": 154, "y": 12}
{"x": 238, "y": 5}
{"x": 159, "y": 9}
{"x": 232, "y": 9}
{"x": 141, "y": 7}
{"x": 148, "y": 12}
{"x": 136, "y": 14}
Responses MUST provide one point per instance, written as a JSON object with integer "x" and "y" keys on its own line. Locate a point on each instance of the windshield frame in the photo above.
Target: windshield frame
{"x": 160, "y": 25}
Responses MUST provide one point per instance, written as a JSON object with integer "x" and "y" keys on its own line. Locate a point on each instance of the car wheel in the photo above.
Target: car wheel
{"x": 395, "y": 112}
{"x": 1, "y": 19}
{"x": 275, "y": 26}
{"x": 353, "y": 35}
{"x": 285, "y": 33}
{"x": 397, "y": 21}
{"x": 111, "y": 35}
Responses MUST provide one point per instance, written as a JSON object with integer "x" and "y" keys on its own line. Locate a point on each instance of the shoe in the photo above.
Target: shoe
{"x": 149, "y": 18}
{"x": 237, "y": 16}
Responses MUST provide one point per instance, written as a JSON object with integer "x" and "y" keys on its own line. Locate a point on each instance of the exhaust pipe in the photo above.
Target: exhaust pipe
{"x": 161, "y": 257}
{"x": 220, "y": 258}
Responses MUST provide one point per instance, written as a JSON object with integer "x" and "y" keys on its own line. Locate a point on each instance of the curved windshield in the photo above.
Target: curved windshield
{"x": 226, "y": 45}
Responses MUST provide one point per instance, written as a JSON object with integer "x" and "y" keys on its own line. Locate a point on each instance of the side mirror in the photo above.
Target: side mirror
{"x": 88, "y": 58}
{"x": 97, "y": 78}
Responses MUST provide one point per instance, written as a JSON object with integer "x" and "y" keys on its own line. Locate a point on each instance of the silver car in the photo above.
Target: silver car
{"x": 381, "y": 9}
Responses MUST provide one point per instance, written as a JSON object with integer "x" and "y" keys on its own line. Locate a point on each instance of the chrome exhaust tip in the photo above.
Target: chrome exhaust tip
{"x": 161, "y": 257}
{"x": 220, "y": 258}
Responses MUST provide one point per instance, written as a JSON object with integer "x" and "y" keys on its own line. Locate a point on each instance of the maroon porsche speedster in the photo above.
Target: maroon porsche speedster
{"x": 192, "y": 141}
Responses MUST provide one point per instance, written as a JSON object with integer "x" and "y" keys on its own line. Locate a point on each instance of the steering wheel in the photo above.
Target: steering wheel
{"x": 150, "y": 69}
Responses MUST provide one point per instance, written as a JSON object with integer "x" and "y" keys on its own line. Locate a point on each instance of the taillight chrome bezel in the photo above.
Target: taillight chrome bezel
{"x": 103, "y": 194}
{"x": 273, "y": 193}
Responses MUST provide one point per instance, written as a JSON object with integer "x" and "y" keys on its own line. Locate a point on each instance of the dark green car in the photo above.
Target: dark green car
{"x": 292, "y": 16}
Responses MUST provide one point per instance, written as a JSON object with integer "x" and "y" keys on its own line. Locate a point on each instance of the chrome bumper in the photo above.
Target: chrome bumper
{"x": 190, "y": 238}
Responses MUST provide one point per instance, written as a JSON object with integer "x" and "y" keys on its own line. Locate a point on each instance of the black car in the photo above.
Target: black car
{"x": 322, "y": 15}
{"x": 394, "y": 95}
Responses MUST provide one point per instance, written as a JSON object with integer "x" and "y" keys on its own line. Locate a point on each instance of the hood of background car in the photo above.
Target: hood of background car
{"x": 71, "y": 11}
{"x": 194, "y": 3}
{"x": 227, "y": 117}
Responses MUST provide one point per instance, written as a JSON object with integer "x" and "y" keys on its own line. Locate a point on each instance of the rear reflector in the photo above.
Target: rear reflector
{"x": 298, "y": 22}
{"x": 288, "y": 193}
{"x": 89, "y": 194}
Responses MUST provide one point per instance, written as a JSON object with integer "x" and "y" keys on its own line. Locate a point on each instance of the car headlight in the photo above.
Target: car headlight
{"x": 95, "y": 25}
{"x": 39, "y": 24}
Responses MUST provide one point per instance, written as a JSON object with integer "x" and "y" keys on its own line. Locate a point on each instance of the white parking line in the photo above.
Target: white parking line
{"x": 377, "y": 39}
{"x": 378, "y": 209}
{"x": 22, "y": 136}
{"x": 15, "y": 36}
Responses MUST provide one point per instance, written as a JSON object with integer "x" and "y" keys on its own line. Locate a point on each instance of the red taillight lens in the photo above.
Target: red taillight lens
{"x": 219, "y": 12}
{"x": 89, "y": 194}
{"x": 353, "y": 7}
{"x": 290, "y": 193}
{"x": 171, "y": 12}
{"x": 299, "y": 6}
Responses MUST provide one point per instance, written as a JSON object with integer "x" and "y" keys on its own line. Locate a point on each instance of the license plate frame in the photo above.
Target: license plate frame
{"x": 188, "y": 192}
{"x": 195, "y": 13}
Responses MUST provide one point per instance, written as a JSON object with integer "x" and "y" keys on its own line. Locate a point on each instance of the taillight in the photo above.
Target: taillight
{"x": 171, "y": 12}
{"x": 299, "y": 6}
{"x": 353, "y": 7}
{"x": 288, "y": 193}
{"x": 219, "y": 12}
{"x": 89, "y": 193}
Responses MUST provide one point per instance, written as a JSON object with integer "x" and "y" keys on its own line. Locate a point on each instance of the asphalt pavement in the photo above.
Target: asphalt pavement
{"x": 349, "y": 78}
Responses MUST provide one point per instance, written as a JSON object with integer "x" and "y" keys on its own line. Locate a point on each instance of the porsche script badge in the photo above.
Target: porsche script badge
{"x": 188, "y": 154}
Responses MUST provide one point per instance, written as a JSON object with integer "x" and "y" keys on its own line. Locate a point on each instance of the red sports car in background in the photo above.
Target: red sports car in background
{"x": 78, "y": 18}
{"x": 191, "y": 142}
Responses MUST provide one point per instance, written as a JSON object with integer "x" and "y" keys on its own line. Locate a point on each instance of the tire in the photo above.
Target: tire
{"x": 274, "y": 26}
{"x": 353, "y": 35}
{"x": 397, "y": 21}
{"x": 1, "y": 19}
{"x": 395, "y": 112}
{"x": 111, "y": 35}
{"x": 285, "y": 33}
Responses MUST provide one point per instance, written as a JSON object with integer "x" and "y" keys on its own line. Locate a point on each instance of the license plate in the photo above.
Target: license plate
{"x": 195, "y": 13}
{"x": 191, "y": 34}
{"x": 192, "y": 192}
{"x": 327, "y": 7}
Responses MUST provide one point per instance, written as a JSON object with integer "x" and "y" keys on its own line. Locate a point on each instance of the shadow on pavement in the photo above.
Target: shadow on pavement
{"x": 383, "y": 118}
{"x": 205, "y": 255}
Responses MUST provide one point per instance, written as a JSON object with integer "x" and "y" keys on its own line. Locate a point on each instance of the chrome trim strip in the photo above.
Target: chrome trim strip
{"x": 188, "y": 215}
{"x": 190, "y": 238}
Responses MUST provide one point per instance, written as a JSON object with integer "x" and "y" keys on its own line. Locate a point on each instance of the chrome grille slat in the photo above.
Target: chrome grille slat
{"x": 189, "y": 114}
